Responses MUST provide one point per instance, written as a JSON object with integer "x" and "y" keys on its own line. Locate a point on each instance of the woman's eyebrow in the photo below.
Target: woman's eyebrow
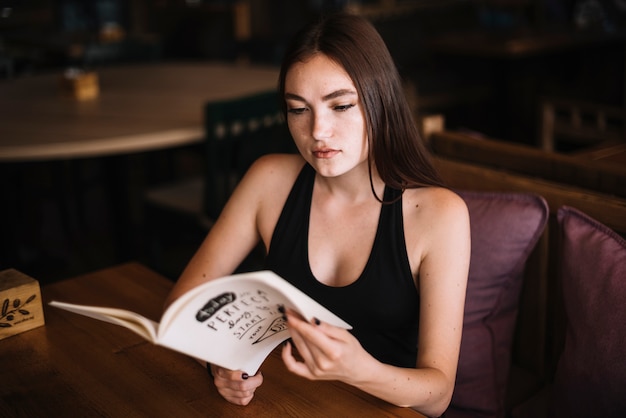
{"x": 330, "y": 96}
{"x": 291, "y": 96}
{"x": 339, "y": 93}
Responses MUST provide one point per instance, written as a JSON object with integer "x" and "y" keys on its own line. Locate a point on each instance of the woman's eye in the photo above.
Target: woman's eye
{"x": 343, "y": 108}
{"x": 297, "y": 110}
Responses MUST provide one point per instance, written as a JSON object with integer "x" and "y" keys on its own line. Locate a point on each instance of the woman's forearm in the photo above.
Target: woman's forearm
{"x": 427, "y": 390}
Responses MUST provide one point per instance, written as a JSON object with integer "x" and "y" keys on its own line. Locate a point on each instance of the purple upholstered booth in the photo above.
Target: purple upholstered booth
{"x": 505, "y": 228}
{"x": 590, "y": 379}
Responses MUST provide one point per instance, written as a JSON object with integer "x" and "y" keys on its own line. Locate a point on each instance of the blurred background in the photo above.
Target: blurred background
{"x": 485, "y": 66}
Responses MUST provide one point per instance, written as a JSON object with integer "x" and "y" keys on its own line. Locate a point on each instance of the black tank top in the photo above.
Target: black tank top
{"x": 382, "y": 304}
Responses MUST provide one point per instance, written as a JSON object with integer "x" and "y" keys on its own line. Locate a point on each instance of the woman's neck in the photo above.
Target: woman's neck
{"x": 351, "y": 187}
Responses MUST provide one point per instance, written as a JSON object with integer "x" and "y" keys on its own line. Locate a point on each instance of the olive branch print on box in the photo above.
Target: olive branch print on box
{"x": 14, "y": 312}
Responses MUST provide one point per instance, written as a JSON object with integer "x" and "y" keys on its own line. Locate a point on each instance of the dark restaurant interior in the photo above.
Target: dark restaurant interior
{"x": 510, "y": 95}
{"x": 450, "y": 53}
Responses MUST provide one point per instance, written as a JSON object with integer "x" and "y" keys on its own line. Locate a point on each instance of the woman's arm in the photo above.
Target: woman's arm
{"x": 229, "y": 240}
{"x": 250, "y": 214}
{"x": 441, "y": 258}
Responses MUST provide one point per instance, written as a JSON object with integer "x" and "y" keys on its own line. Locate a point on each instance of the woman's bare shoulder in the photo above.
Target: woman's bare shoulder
{"x": 434, "y": 198}
{"x": 268, "y": 182}
{"x": 279, "y": 162}
{"x": 270, "y": 179}
{"x": 275, "y": 169}
{"x": 436, "y": 222}
{"x": 437, "y": 206}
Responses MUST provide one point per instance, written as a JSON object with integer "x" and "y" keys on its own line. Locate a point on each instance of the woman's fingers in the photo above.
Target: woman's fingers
{"x": 321, "y": 347}
{"x": 235, "y": 386}
{"x": 293, "y": 365}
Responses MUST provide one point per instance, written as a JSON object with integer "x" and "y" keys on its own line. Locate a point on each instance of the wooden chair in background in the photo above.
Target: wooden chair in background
{"x": 574, "y": 124}
{"x": 237, "y": 132}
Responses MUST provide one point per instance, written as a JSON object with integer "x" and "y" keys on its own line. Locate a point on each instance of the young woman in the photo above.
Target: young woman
{"x": 359, "y": 220}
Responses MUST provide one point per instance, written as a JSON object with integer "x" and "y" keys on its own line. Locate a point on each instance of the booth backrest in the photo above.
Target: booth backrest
{"x": 505, "y": 228}
{"x": 576, "y": 171}
{"x": 591, "y": 372}
{"x": 540, "y": 328}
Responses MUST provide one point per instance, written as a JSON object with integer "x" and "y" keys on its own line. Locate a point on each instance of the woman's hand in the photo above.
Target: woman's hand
{"x": 327, "y": 352}
{"x": 235, "y": 386}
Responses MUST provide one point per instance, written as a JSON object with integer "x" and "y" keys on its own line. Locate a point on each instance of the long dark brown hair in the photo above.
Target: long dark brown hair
{"x": 395, "y": 145}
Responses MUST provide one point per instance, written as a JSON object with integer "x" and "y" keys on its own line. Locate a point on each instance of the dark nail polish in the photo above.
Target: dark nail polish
{"x": 245, "y": 376}
{"x": 317, "y": 321}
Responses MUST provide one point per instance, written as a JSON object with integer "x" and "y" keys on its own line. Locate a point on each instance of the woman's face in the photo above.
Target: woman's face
{"x": 325, "y": 116}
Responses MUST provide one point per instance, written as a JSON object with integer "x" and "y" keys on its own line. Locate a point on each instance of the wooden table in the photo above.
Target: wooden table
{"x": 77, "y": 366}
{"x": 139, "y": 108}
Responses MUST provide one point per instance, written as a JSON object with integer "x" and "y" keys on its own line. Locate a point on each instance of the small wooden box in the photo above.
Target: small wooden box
{"x": 80, "y": 85}
{"x": 20, "y": 303}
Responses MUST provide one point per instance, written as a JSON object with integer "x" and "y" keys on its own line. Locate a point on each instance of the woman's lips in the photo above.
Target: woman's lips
{"x": 325, "y": 153}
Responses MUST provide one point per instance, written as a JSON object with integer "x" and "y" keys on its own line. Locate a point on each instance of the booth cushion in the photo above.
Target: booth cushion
{"x": 591, "y": 375}
{"x": 505, "y": 228}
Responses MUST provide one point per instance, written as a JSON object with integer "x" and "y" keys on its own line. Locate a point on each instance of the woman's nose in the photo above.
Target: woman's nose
{"x": 322, "y": 128}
